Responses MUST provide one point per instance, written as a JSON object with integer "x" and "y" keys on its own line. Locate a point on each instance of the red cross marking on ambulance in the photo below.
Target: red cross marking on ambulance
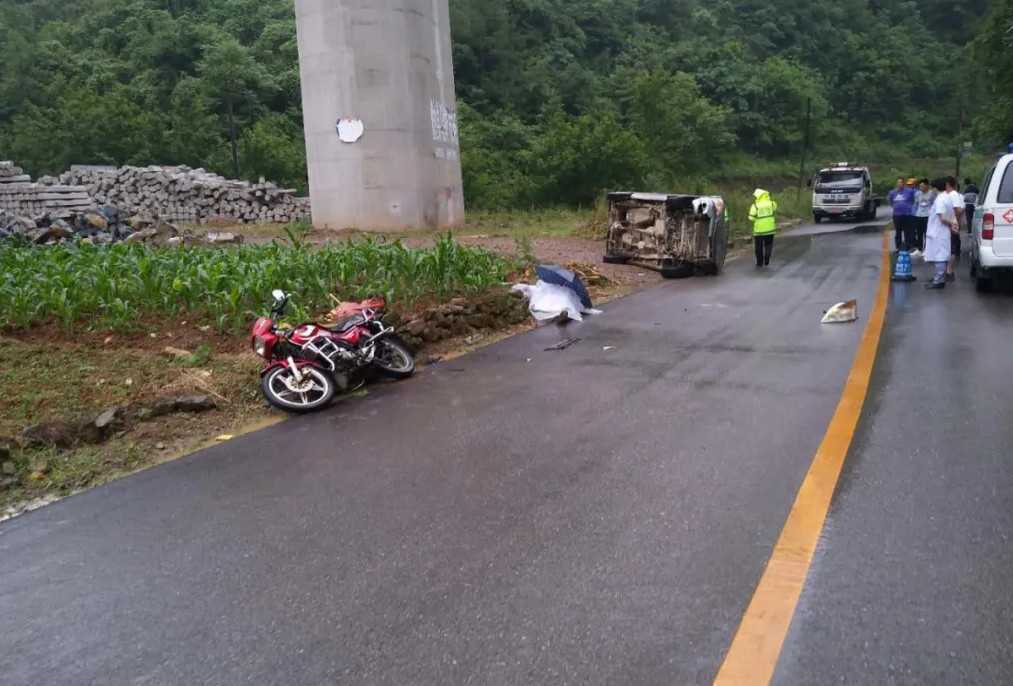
{"x": 1008, "y": 217}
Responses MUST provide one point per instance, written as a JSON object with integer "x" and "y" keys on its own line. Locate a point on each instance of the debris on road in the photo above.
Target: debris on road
{"x": 608, "y": 348}
{"x": 842, "y": 313}
{"x": 563, "y": 345}
{"x": 590, "y": 275}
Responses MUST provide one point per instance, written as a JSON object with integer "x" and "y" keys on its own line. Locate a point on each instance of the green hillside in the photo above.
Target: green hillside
{"x": 559, "y": 98}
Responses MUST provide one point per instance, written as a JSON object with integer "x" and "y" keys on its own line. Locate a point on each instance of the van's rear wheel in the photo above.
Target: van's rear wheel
{"x": 981, "y": 284}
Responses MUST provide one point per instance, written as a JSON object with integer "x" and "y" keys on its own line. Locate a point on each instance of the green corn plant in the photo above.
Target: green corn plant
{"x": 118, "y": 286}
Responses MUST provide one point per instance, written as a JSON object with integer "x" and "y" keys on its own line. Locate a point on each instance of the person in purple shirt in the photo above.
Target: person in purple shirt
{"x": 902, "y": 200}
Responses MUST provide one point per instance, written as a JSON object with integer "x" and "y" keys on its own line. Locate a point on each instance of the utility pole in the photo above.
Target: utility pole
{"x": 806, "y": 142}
{"x": 960, "y": 139}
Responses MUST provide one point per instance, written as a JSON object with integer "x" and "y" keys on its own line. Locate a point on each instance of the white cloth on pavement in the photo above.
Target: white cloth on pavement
{"x": 549, "y": 301}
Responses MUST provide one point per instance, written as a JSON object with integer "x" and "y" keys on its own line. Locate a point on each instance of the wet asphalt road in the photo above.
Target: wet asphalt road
{"x": 912, "y": 581}
{"x": 593, "y": 516}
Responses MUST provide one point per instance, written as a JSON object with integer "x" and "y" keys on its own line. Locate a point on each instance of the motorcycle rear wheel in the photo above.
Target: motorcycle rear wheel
{"x": 393, "y": 359}
{"x": 283, "y": 391}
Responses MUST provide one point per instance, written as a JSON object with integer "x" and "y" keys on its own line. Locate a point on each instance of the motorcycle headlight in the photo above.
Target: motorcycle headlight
{"x": 260, "y": 346}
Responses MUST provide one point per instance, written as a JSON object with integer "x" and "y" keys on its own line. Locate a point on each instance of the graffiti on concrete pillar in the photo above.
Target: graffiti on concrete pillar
{"x": 444, "y": 123}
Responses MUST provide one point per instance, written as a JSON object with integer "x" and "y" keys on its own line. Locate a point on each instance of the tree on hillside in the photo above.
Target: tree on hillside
{"x": 215, "y": 83}
{"x": 234, "y": 80}
{"x": 684, "y": 133}
{"x": 575, "y": 159}
{"x": 993, "y": 50}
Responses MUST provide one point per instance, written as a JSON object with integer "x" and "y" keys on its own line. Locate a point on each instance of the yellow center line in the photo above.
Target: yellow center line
{"x": 755, "y": 650}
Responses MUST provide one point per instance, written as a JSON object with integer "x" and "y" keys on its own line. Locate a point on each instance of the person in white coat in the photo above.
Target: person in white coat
{"x": 942, "y": 225}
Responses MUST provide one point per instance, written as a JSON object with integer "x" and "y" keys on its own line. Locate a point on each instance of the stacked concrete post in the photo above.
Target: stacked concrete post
{"x": 20, "y": 195}
{"x": 380, "y": 113}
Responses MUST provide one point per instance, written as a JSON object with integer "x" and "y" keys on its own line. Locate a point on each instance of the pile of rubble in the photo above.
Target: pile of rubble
{"x": 100, "y": 227}
{"x": 463, "y": 316}
{"x": 187, "y": 195}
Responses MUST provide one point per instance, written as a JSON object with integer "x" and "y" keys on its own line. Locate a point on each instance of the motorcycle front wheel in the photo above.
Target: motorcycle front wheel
{"x": 284, "y": 391}
{"x": 393, "y": 359}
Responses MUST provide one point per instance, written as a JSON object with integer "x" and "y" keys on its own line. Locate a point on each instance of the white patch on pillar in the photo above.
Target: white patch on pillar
{"x": 350, "y": 130}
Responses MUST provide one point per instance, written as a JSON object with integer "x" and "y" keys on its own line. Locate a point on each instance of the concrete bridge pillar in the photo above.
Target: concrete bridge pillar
{"x": 380, "y": 113}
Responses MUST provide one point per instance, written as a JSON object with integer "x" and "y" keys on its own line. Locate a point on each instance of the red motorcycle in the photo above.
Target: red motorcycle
{"x": 307, "y": 365}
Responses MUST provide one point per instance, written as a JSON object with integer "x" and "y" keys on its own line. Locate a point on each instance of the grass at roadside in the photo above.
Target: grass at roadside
{"x": 547, "y": 222}
{"x": 62, "y": 380}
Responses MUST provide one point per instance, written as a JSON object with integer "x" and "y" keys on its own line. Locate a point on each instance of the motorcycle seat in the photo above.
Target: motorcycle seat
{"x": 347, "y": 324}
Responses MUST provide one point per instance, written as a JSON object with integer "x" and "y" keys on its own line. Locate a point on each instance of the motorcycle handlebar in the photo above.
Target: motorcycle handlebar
{"x": 279, "y": 309}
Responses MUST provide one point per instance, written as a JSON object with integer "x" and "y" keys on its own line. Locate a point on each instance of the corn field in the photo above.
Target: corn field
{"x": 117, "y": 285}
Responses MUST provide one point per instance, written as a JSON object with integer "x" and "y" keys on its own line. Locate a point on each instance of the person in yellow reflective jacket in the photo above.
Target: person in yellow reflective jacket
{"x": 763, "y": 214}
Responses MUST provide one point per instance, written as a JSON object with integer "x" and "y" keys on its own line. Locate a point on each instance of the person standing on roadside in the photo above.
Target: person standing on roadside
{"x": 942, "y": 225}
{"x": 971, "y": 193}
{"x": 957, "y": 202}
{"x": 902, "y": 200}
{"x": 763, "y": 214}
{"x": 925, "y": 197}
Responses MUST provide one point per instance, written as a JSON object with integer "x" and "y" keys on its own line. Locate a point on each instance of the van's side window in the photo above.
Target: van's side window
{"x": 1006, "y": 189}
{"x": 983, "y": 197}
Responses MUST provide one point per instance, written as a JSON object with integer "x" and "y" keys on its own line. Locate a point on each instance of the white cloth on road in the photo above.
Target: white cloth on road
{"x": 937, "y": 236}
{"x": 549, "y": 301}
